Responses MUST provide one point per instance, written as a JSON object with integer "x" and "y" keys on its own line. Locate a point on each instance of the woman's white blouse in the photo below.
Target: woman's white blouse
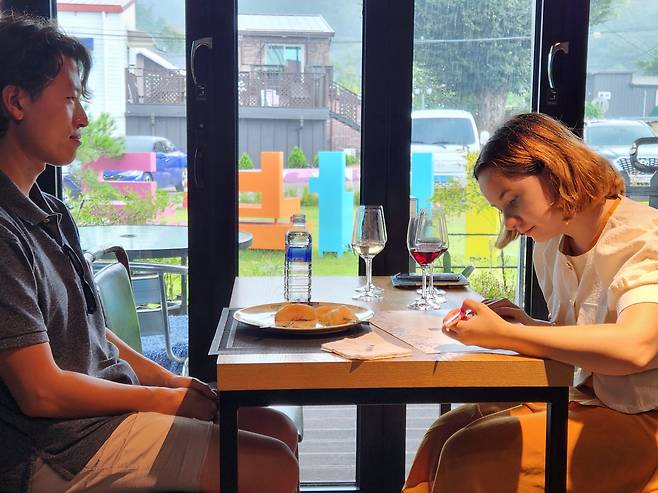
{"x": 619, "y": 271}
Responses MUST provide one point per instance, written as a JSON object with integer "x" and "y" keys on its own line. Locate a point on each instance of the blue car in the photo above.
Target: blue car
{"x": 170, "y": 162}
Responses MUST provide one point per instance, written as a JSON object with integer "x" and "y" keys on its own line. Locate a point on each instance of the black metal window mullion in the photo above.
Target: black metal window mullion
{"x": 557, "y": 21}
{"x": 212, "y": 114}
{"x": 386, "y": 130}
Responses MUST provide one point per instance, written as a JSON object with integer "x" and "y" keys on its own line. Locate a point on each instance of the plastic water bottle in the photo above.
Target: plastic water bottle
{"x": 297, "y": 270}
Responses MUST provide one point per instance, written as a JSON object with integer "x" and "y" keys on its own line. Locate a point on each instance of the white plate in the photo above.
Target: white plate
{"x": 263, "y": 316}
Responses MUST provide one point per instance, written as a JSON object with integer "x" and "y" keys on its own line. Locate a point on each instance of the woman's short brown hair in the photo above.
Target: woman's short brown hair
{"x": 531, "y": 144}
{"x": 32, "y": 51}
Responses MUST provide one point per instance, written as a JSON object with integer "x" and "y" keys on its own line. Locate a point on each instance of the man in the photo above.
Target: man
{"x": 79, "y": 409}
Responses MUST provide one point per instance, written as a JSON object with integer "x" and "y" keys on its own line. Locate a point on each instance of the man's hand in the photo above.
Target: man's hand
{"x": 193, "y": 398}
{"x": 192, "y": 404}
{"x": 181, "y": 382}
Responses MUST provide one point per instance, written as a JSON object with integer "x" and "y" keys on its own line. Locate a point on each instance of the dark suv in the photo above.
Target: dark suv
{"x": 613, "y": 140}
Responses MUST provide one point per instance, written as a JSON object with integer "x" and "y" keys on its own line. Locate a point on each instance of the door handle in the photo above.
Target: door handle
{"x": 196, "y": 44}
{"x": 559, "y": 47}
{"x": 200, "y": 86}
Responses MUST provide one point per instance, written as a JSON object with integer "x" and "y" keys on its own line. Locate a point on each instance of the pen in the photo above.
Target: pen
{"x": 460, "y": 315}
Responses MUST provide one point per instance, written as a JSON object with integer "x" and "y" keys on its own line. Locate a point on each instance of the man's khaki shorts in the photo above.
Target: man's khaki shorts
{"x": 147, "y": 452}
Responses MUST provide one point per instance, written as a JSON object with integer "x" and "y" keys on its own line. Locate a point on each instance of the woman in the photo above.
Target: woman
{"x": 596, "y": 258}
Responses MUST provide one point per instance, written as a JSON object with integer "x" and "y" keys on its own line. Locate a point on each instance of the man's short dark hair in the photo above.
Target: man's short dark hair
{"x": 31, "y": 56}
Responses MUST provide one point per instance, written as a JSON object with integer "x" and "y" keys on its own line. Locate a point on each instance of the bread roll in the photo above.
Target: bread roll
{"x": 337, "y": 315}
{"x": 294, "y": 312}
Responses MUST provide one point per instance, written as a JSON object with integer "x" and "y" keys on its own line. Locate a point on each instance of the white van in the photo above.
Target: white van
{"x": 449, "y": 135}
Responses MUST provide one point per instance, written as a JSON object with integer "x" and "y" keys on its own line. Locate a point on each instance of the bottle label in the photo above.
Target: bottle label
{"x": 299, "y": 253}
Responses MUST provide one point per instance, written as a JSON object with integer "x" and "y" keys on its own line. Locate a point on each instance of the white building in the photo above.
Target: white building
{"x": 105, "y": 28}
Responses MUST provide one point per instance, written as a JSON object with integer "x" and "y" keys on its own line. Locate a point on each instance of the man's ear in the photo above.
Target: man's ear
{"x": 11, "y": 101}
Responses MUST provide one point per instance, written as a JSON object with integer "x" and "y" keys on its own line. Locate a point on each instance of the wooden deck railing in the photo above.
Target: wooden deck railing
{"x": 258, "y": 88}
{"x": 155, "y": 86}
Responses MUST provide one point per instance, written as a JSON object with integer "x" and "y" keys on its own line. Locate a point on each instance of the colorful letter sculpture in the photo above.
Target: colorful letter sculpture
{"x": 336, "y": 205}
{"x": 422, "y": 184}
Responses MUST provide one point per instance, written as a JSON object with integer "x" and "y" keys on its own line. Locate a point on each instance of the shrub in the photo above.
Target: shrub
{"x": 491, "y": 284}
{"x": 245, "y": 161}
{"x": 352, "y": 159}
{"x": 97, "y": 204}
{"x": 296, "y": 159}
{"x": 308, "y": 199}
{"x": 457, "y": 198}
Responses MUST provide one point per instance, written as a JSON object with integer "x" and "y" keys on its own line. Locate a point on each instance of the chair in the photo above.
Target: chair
{"x": 147, "y": 300}
{"x": 116, "y": 296}
{"x": 152, "y": 304}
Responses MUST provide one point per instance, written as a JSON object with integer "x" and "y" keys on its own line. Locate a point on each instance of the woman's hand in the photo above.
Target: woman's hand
{"x": 480, "y": 327}
{"x": 509, "y": 311}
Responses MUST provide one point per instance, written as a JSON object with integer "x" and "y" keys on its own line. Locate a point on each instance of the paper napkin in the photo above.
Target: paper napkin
{"x": 367, "y": 346}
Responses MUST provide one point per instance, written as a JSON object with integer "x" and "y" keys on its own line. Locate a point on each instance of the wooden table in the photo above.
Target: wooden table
{"x": 380, "y": 388}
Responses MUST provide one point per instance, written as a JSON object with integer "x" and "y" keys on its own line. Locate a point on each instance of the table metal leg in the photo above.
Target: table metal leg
{"x": 228, "y": 443}
{"x": 556, "y": 441}
{"x": 381, "y": 433}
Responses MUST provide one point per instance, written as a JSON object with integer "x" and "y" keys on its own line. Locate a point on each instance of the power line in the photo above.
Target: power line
{"x": 470, "y": 40}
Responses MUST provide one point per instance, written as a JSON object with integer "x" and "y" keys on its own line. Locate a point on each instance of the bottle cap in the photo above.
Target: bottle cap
{"x": 298, "y": 218}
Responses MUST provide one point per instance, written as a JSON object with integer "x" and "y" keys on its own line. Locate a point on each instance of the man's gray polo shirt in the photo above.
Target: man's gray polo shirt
{"x": 42, "y": 301}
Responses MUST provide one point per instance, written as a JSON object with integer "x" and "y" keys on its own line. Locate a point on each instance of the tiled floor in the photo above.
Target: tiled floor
{"x": 327, "y": 452}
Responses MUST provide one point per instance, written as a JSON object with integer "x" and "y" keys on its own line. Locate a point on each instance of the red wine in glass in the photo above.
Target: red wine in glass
{"x": 428, "y": 253}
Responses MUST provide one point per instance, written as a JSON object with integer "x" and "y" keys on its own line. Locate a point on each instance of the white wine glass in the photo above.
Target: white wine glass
{"x": 375, "y": 288}
{"x": 368, "y": 239}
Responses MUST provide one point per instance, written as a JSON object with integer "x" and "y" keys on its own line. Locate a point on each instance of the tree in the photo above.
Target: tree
{"x": 297, "y": 158}
{"x": 171, "y": 40}
{"x": 245, "y": 161}
{"x": 649, "y": 66}
{"x": 98, "y": 140}
{"x": 479, "y": 50}
{"x": 474, "y": 53}
{"x": 165, "y": 36}
{"x": 601, "y": 11}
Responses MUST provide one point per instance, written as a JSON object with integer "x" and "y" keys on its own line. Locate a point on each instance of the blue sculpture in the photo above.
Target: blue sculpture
{"x": 336, "y": 205}
{"x": 422, "y": 184}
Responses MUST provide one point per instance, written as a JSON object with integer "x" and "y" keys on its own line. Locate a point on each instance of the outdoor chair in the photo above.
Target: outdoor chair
{"x": 141, "y": 311}
{"x": 153, "y": 308}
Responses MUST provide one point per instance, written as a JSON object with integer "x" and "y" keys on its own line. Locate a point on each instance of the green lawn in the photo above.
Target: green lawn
{"x": 270, "y": 262}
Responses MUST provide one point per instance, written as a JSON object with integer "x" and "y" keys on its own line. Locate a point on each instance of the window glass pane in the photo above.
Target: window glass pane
{"x": 275, "y": 55}
{"x": 118, "y": 190}
{"x": 308, "y": 113}
{"x": 471, "y": 71}
{"x": 621, "y": 99}
{"x": 299, "y": 152}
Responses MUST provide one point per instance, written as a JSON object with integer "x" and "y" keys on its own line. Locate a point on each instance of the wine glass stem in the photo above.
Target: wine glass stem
{"x": 424, "y": 270}
{"x": 368, "y": 261}
{"x": 430, "y": 286}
